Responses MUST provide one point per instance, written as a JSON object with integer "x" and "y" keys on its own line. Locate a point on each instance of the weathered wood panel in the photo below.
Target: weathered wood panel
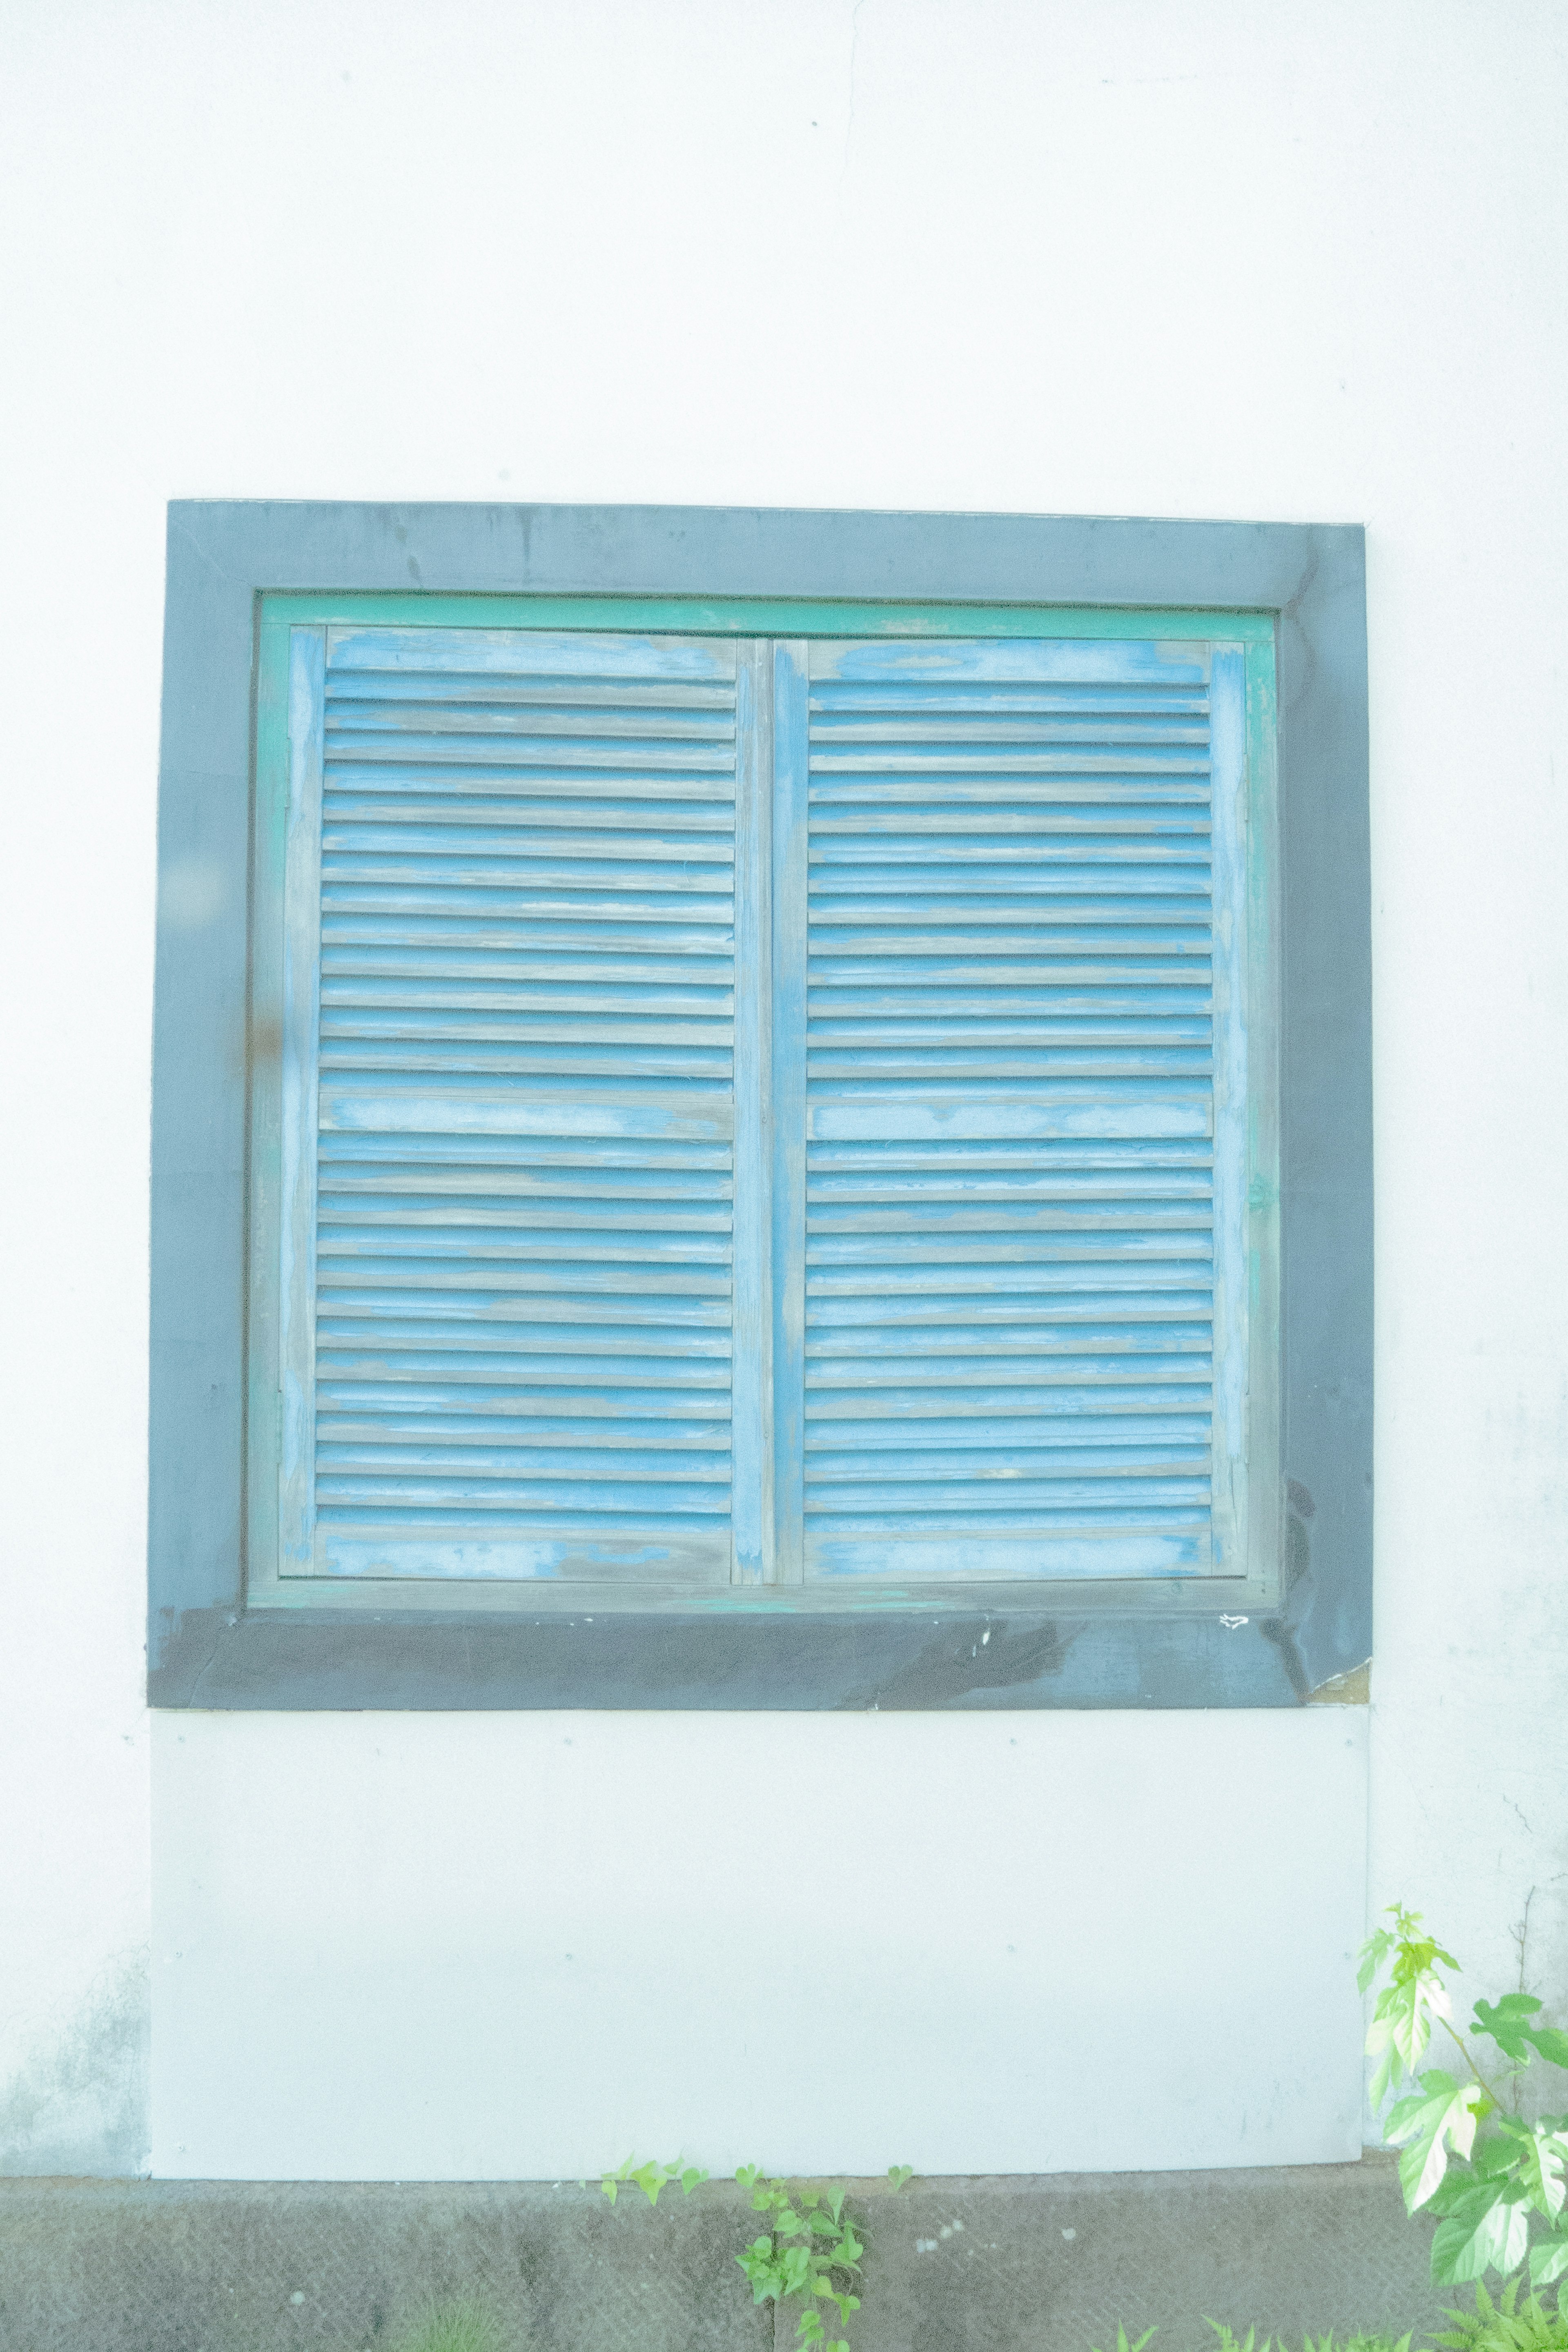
{"x": 1019, "y": 1164}
{"x": 511, "y": 1110}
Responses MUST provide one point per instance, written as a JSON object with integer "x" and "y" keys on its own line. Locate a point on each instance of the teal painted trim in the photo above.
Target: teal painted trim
{"x": 264, "y": 1321}
{"x": 300, "y": 1090}
{"x": 770, "y": 617}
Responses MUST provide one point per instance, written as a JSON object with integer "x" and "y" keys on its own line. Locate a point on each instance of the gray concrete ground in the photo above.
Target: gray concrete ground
{"x": 1010, "y": 2264}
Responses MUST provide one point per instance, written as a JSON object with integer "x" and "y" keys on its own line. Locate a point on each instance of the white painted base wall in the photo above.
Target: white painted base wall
{"x": 1299, "y": 262}
{"x": 476, "y": 1946}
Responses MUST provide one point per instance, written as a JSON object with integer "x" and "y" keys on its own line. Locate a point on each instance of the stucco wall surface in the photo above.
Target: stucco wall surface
{"x": 482, "y": 1946}
{"x": 1296, "y": 263}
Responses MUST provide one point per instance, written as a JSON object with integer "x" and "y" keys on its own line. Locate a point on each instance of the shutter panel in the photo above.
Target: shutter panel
{"x": 1024, "y": 1295}
{"x": 680, "y": 1191}
{"x": 510, "y": 1115}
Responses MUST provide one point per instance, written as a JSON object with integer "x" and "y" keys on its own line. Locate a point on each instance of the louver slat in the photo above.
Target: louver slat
{"x": 1019, "y": 1175}
{"x": 514, "y": 1185}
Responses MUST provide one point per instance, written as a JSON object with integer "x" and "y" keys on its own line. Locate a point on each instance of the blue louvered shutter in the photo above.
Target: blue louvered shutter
{"x": 1024, "y": 1077}
{"x": 517, "y": 1078}
{"x": 764, "y": 1111}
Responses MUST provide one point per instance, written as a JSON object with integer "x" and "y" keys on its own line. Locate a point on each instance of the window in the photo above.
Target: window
{"x": 771, "y": 1165}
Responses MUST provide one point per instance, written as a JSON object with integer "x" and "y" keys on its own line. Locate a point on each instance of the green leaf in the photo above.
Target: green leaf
{"x": 1380, "y": 2045}
{"x": 1551, "y": 2042}
{"x": 1227, "y": 2342}
{"x": 1542, "y": 2155}
{"x": 758, "y": 2263}
{"x": 1451, "y": 2190}
{"x": 1372, "y": 1953}
{"x": 899, "y": 2173}
{"x": 1487, "y": 2230}
{"x": 1417, "y": 1953}
{"x": 692, "y": 2178}
{"x": 1549, "y": 2259}
{"x": 1493, "y": 2157}
{"x": 795, "y": 2268}
{"x": 1507, "y": 2022}
{"x": 1442, "y": 2113}
{"x": 1401, "y": 2027}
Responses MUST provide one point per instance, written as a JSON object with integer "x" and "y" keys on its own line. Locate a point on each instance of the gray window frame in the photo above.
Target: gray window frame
{"x": 206, "y": 1648}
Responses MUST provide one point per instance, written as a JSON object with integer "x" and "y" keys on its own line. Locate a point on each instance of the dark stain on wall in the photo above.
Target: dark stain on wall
{"x": 78, "y": 2104}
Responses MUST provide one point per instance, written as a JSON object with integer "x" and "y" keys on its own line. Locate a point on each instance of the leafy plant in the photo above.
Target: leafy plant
{"x": 1489, "y": 2176}
{"x": 456, "y": 2327}
{"x": 1357, "y": 2342}
{"x": 651, "y": 2177}
{"x": 809, "y": 2244}
{"x": 811, "y": 2248}
{"x": 1504, "y": 2327}
{"x": 1228, "y": 2342}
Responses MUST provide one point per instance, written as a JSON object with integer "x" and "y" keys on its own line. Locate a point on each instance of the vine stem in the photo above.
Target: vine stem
{"x": 1463, "y": 2048}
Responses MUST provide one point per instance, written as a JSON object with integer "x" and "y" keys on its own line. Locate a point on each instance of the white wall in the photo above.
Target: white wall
{"x": 1304, "y": 262}
{"x": 461, "y": 1947}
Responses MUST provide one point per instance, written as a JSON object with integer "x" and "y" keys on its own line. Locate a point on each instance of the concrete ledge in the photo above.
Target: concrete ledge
{"x": 1007, "y": 2265}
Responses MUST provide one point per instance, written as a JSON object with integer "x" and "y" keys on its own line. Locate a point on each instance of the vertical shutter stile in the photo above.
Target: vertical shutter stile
{"x": 754, "y": 1547}
{"x": 1015, "y": 1155}
{"x": 1233, "y": 1108}
{"x": 519, "y": 1358}
{"x": 791, "y": 748}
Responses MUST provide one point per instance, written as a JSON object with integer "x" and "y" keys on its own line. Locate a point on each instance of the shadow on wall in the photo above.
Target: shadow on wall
{"x": 78, "y": 2104}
